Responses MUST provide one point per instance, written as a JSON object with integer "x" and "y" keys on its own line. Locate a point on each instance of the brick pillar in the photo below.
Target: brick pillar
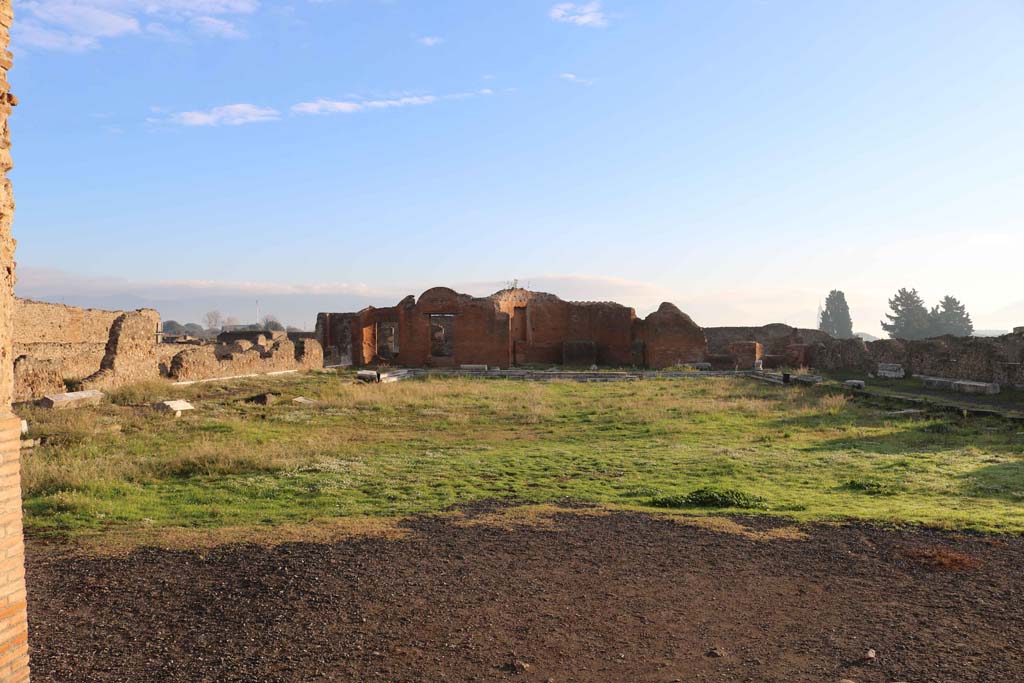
{"x": 13, "y": 624}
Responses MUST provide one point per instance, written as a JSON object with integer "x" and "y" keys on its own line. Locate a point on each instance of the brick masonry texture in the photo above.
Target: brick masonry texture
{"x": 444, "y": 328}
{"x": 13, "y": 624}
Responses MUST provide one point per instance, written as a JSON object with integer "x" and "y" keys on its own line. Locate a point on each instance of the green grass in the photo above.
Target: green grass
{"x": 422, "y": 446}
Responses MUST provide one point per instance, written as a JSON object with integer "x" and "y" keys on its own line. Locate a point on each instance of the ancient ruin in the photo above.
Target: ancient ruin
{"x": 58, "y": 347}
{"x": 512, "y": 327}
{"x": 13, "y": 614}
{"x": 518, "y": 327}
{"x": 998, "y": 360}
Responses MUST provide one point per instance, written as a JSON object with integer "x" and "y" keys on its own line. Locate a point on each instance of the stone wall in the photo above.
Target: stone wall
{"x": 13, "y": 621}
{"x": 444, "y": 328}
{"x": 76, "y": 342}
{"x": 73, "y": 338}
{"x": 245, "y": 358}
{"x": 782, "y": 345}
{"x": 130, "y": 354}
{"x": 982, "y": 359}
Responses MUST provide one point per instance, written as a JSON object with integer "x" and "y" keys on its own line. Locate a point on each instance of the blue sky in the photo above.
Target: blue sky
{"x": 737, "y": 158}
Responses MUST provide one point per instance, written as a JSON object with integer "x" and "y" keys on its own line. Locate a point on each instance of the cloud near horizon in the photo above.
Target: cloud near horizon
{"x": 298, "y": 303}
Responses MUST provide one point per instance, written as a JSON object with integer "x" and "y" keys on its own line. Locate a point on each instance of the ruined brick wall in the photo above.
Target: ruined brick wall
{"x": 982, "y": 359}
{"x": 334, "y": 332}
{"x": 510, "y": 327}
{"x": 130, "y": 355}
{"x": 76, "y": 341}
{"x": 783, "y": 345}
{"x": 670, "y": 337}
{"x": 776, "y": 338}
{"x": 33, "y": 377}
{"x": 73, "y": 338}
{"x": 242, "y": 358}
{"x": 541, "y": 324}
{"x": 13, "y": 622}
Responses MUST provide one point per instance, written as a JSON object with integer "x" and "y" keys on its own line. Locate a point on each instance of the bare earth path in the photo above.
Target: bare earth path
{"x": 621, "y": 597}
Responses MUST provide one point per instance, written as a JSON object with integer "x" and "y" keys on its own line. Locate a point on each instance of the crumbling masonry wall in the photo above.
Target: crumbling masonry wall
{"x": 781, "y": 345}
{"x": 72, "y": 340}
{"x": 55, "y": 345}
{"x": 13, "y": 622}
{"x": 515, "y": 326}
{"x": 981, "y": 359}
{"x": 130, "y": 353}
{"x": 245, "y": 358}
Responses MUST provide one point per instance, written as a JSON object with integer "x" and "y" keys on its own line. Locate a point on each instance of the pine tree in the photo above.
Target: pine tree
{"x": 909, "y": 318}
{"x": 835, "y": 319}
{"x": 951, "y": 317}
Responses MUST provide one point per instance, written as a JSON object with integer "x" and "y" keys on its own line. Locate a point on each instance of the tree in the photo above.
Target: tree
{"x": 194, "y": 329}
{"x": 950, "y": 317}
{"x": 271, "y": 324}
{"x": 835, "y": 319}
{"x": 909, "y": 318}
{"x": 213, "y": 320}
{"x": 230, "y": 321}
{"x": 173, "y": 328}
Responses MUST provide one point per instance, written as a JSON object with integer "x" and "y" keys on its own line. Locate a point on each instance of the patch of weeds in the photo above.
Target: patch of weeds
{"x": 712, "y": 498}
{"x": 871, "y": 488}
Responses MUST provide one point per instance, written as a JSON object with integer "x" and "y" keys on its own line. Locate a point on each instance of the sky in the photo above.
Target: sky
{"x": 738, "y": 158}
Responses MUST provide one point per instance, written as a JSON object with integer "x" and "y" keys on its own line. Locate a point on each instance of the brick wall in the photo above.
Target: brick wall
{"x": 13, "y": 623}
{"x": 670, "y": 338}
{"x": 512, "y": 327}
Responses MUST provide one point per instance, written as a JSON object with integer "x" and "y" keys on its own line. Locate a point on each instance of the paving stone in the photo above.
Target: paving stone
{"x": 73, "y": 399}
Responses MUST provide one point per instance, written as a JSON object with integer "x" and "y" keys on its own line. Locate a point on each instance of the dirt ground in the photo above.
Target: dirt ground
{"x": 619, "y": 597}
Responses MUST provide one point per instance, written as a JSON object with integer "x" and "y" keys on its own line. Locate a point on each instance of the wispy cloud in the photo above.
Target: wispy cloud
{"x": 581, "y": 14}
{"x": 573, "y": 78}
{"x": 430, "y": 41}
{"x": 324, "y": 106}
{"x": 226, "y": 115}
{"x": 80, "y": 25}
{"x": 217, "y": 28}
{"x": 354, "y": 106}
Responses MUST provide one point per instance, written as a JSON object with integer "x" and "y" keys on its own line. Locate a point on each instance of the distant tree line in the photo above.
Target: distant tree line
{"x": 910, "y": 318}
{"x": 215, "y": 323}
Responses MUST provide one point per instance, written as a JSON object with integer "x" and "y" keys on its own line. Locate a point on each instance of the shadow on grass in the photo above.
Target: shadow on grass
{"x": 1003, "y": 481}
{"x": 923, "y": 434}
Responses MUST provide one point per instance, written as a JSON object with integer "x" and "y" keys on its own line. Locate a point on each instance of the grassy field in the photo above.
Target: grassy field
{"x": 422, "y": 446}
